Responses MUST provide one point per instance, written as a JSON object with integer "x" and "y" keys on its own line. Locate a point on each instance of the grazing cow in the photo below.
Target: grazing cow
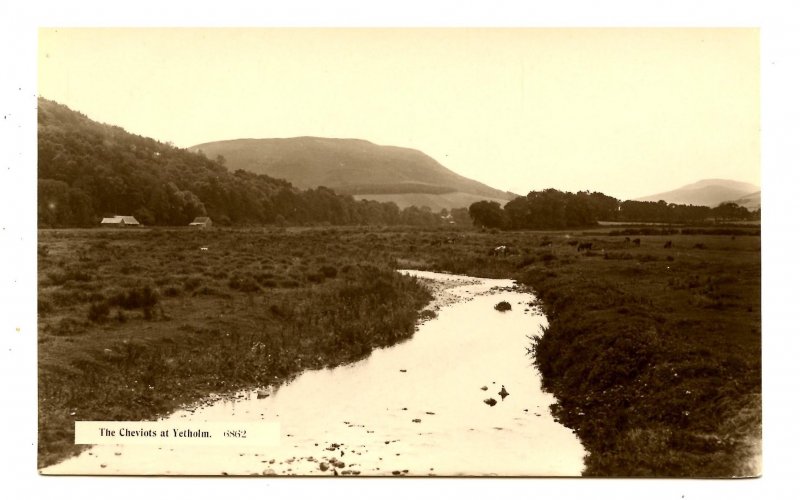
{"x": 501, "y": 250}
{"x": 584, "y": 246}
{"x": 627, "y": 239}
{"x": 668, "y": 244}
{"x": 637, "y": 242}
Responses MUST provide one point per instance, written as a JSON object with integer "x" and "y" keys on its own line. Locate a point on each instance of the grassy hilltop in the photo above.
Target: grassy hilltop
{"x": 356, "y": 167}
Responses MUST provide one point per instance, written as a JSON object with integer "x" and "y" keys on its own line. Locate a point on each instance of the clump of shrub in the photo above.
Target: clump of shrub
{"x": 264, "y": 277}
{"x": 328, "y": 271}
{"x": 192, "y": 282}
{"x": 219, "y": 274}
{"x": 59, "y": 278}
{"x": 315, "y": 277}
{"x": 548, "y": 257}
{"x": 44, "y": 306}
{"x": 280, "y": 311}
{"x": 144, "y": 298}
{"x": 131, "y": 269}
{"x": 503, "y": 306}
{"x": 722, "y": 231}
{"x": 64, "y": 298}
{"x": 289, "y": 283}
{"x": 67, "y": 327}
{"x": 526, "y": 260}
{"x": 427, "y": 314}
{"x": 618, "y": 256}
{"x": 679, "y": 283}
{"x": 244, "y": 284}
{"x": 135, "y": 298}
{"x": 98, "y": 312}
{"x": 210, "y": 291}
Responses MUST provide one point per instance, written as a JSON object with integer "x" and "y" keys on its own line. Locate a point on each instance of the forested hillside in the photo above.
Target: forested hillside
{"x": 88, "y": 170}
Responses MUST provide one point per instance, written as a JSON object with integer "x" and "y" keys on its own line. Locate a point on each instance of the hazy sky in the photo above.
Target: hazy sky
{"x": 628, "y": 112}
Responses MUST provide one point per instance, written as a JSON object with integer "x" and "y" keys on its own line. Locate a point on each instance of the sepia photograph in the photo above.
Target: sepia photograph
{"x": 517, "y": 252}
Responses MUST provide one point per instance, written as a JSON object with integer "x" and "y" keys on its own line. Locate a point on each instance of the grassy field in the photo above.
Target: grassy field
{"x": 134, "y": 323}
{"x": 654, "y": 353}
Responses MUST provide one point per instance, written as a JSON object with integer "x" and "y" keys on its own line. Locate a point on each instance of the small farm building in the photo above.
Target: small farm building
{"x": 201, "y": 222}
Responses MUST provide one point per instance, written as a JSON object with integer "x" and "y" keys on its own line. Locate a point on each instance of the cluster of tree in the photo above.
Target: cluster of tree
{"x": 88, "y": 170}
{"x": 548, "y": 209}
{"x": 661, "y": 211}
{"x": 553, "y": 209}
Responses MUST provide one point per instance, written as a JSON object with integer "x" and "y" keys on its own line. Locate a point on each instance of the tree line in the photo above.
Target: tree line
{"x": 554, "y": 209}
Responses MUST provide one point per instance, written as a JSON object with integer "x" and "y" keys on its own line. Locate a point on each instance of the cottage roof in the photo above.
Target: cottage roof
{"x": 128, "y": 220}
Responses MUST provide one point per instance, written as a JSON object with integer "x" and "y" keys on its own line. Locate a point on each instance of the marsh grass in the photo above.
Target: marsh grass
{"x": 644, "y": 362}
{"x": 653, "y": 353}
{"x": 214, "y": 330}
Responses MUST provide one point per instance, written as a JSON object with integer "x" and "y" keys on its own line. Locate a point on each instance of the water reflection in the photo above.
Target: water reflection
{"x": 459, "y": 398}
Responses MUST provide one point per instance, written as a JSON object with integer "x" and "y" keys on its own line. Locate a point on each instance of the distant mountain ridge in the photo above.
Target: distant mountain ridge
{"x": 752, "y": 201}
{"x": 356, "y": 167}
{"x": 711, "y": 192}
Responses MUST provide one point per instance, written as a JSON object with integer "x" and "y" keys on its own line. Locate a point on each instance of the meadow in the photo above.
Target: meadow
{"x": 652, "y": 350}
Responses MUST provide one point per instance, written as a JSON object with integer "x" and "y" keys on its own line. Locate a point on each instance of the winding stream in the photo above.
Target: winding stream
{"x": 416, "y": 408}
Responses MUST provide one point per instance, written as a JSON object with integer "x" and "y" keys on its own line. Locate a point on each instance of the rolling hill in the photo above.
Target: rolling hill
{"x": 751, "y": 202}
{"x": 356, "y": 167}
{"x": 711, "y": 192}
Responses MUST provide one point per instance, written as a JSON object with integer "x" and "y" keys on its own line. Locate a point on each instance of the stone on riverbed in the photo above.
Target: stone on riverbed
{"x": 503, "y": 306}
